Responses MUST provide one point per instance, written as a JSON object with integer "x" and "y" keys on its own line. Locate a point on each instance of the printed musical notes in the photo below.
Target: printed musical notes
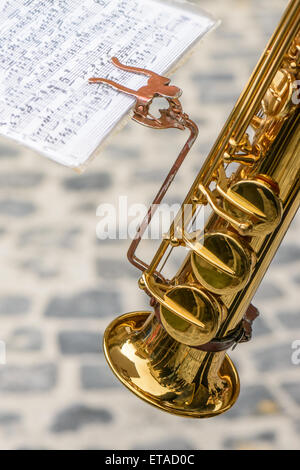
{"x": 48, "y": 50}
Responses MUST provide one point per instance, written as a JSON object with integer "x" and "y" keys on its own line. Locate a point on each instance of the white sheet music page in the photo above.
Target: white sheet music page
{"x": 49, "y": 49}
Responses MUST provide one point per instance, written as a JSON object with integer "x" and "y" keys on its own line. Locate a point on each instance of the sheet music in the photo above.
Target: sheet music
{"x": 49, "y": 49}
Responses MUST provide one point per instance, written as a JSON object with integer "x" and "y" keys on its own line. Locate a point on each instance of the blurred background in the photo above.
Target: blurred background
{"x": 60, "y": 286}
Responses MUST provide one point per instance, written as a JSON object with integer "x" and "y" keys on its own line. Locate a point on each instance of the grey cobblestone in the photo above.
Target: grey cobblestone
{"x": 290, "y": 319}
{"x": 15, "y": 208}
{"x": 166, "y": 444}
{"x": 8, "y": 419}
{"x": 243, "y": 54}
{"x": 260, "y": 327}
{"x": 149, "y": 176}
{"x": 250, "y": 442}
{"x": 211, "y": 80}
{"x": 254, "y": 400}
{"x": 297, "y": 426}
{"x": 20, "y": 179}
{"x": 14, "y": 304}
{"x": 8, "y": 151}
{"x": 37, "y": 378}
{"x": 268, "y": 290}
{"x": 212, "y": 96}
{"x": 87, "y": 207}
{"x": 93, "y": 182}
{"x": 293, "y": 389}
{"x": 25, "y": 339}
{"x": 120, "y": 152}
{"x": 96, "y": 377}
{"x": 297, "y": 279}
{"x": 49, "y": 236}
{"x": 76, "y": 416}
{"x": 275, "y": 357}
{"x": 39, "y": 268}
{"x": 79, "y": 342}
{"x": 287, "y": 254}
{"x": 114, "y": 269}
{"x": 89, "y": 304}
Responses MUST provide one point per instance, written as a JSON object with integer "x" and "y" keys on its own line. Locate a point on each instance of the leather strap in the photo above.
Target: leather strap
{"x": 241, "y": 334}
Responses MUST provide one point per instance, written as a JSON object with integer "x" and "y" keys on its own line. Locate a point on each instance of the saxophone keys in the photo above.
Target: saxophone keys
{"x": 224, "y": 263}
{"x": 189, "y": 314}
{"x": 246, "y": 159}
{"x": 277, "y": 102}
{"x": 244, "y": 227}
{"x": 158, "y": 291}
{"x": 200, "y": 305}
{"x": 256, "y": 202}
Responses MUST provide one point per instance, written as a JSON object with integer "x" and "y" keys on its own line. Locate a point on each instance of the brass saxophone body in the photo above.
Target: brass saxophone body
{"x": 174, "y": 357}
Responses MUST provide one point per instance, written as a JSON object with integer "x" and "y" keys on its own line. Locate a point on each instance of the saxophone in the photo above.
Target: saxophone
{"x": 174, "y": 356}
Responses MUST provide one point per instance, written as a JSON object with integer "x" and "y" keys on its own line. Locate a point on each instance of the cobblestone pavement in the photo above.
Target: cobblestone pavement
{"x": 60, "y": 286}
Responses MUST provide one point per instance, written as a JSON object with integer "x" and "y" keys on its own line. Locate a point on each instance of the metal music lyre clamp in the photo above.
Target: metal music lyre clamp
{"x": 171, "y": 117}
{"x": 157, "y": 86}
